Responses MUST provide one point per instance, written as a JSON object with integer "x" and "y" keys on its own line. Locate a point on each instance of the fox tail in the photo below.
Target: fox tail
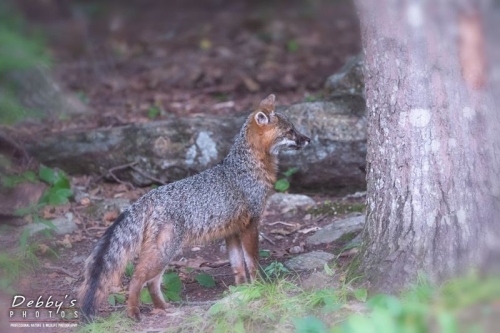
{"x": 106, "y": 263}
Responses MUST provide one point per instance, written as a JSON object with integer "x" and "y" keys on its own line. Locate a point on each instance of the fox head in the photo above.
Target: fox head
{"x": 271, "y": 131}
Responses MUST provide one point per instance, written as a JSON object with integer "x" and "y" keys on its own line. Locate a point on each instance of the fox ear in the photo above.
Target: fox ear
{"x": 261, "y": 119}
{"x": 268, "y": 102}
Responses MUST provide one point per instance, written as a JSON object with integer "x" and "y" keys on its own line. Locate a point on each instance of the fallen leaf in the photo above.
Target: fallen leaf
{"x": 291, "y": 228}
{"x": 85, "y": 201}
{"x": 157, "y": 311}
{"x": 42, "y": 248}
{"x": 197, "y": 262}
{"x": 110, "y": 216}
{"x": 250, "y": 84}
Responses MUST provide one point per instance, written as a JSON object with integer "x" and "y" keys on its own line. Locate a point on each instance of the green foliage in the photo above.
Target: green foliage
{"x": 309, "y": 324}
{"x": 114, "y": 299}
{"x": 423, "y": 307}
{"x": 145, "y": 296}
{"x": 205, "y": 280}
{"x": 283, "y": 184}
{"x": 19, "y": 51}
{"x": 173, "y": 286}
{"x": 313, "y": 98}
{"x": 116, "y": 322}
{"x": 264, "y": 253}
{"x": 59, "y": 191}
{"x": 129, "y": 269}
{"x": 361, "y": 294}
{"x": 10, "y": 181}
{"x": 83, "y": 97}
{"x": 153, "y": 112}
{"x": 327, "y": 298}
{"x": 14, "y": 264}
{"x": 276, "y": 269}
{"x": 292, "y": 46}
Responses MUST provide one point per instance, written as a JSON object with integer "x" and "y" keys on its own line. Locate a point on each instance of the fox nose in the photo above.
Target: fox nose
{"x": 305, "y": 140}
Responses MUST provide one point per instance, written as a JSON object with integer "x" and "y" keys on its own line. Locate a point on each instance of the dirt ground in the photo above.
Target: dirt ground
{"x": 139, "y": 61}
{"x": 60, "y": 275}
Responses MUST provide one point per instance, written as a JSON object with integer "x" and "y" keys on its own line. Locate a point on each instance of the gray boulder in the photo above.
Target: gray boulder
{"x": 337, "y": 230}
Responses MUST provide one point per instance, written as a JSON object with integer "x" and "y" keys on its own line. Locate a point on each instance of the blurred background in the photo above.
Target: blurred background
{"x": 135, "y": 60}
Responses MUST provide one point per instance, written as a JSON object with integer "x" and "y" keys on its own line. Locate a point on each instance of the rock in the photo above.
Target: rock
{"x": 296, "y": 249}
{"x": 63, "y": 225}
{"x": 78, "y": 259}
{"x": 320, "y": 280}
{"x": 98, "y": 210}
{"x": 288, "y": 202}
{"x": 21, "y": 196}
{"x": 337, "y": 230}
{"x": 308, "y": 261}
{"x": 349, "y": 80}
{"x": 356, "y": 241}
{"x": 347, "y": 86}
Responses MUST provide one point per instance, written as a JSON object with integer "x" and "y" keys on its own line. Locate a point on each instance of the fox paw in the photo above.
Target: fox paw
{"x": 134, "y": 313}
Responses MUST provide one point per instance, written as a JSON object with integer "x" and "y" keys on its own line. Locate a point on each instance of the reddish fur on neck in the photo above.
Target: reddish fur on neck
{"x": 260, "y": 139}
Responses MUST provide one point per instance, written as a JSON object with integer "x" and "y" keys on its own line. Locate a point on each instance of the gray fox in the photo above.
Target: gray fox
{"x": 225, "y": 201}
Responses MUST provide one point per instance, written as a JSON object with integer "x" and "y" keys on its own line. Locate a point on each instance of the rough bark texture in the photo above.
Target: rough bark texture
{"x": 432, "y": 162}
{"x": 173, "y": 149}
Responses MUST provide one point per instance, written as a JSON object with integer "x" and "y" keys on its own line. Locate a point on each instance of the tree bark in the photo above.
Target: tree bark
{"x": 173, "y": 149}
{"x": 432, "y": 159}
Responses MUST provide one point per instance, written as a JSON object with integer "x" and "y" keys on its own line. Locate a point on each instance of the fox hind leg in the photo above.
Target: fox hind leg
{"x": 149, "y": 268}
{"x": 153, "y": 259}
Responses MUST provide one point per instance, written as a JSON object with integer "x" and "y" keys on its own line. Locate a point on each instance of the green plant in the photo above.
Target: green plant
{"x": 309, "y": 324}
{"x": 129, "y": 269}
{"x": 153, "y": 112}
{"x": 283, "y": 184}
{"x": 264, "y": 253}
{"x": 116, "y": 322}
{"x": 205, "y": 280}
{"x": 292, "y": 46}
{"x": 172, "y": 285}
{"x": 83, "y": 97}
{"x": 58, "y": 193}
{"x": 330, "y": 208}
{"x": 313, "y": 98}
{"x": 276, "y": 269}
{"x": 116, "y": 298}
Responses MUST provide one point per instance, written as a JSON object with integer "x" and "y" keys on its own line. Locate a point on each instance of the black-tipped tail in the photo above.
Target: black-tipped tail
{"x": 106, "y": 262}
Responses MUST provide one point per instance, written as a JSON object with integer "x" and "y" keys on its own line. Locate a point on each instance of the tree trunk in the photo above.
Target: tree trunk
{"x": 432, "y": 169}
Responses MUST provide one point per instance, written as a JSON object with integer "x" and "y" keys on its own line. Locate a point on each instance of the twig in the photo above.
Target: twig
{"x": 267, "y": 238}
{"x": 121, "y": 167}
{"x": 147, "y": 176}
{"x": 61, "y": 270}
{"x": 97, "y": 228}
{"x": 319, "y": 218}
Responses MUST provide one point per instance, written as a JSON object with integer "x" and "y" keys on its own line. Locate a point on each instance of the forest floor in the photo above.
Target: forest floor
{"x": 140, "y": 61}
{"x": 149, "y": 60}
